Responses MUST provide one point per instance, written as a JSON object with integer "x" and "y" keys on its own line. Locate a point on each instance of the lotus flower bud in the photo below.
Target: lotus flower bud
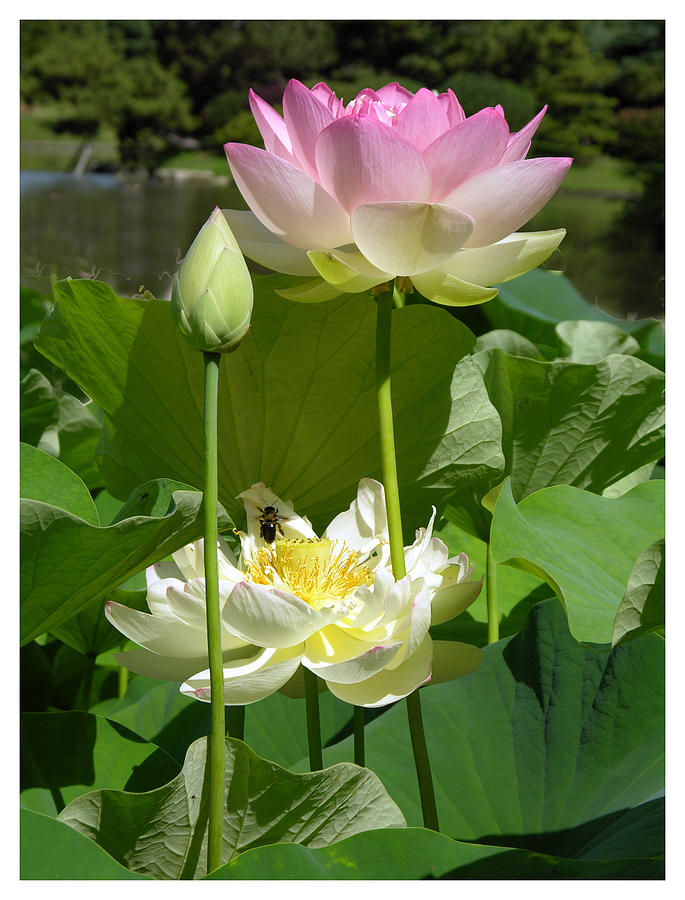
{"x": 211, "y": 300}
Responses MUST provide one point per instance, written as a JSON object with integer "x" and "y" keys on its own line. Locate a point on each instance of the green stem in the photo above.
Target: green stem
{"x": 122, "y": 686}
{"x": 491, "y": 588}
{"x": 421, "y": 761}
{"x": 359, "y": 751}
{"x": 387, "y": 433}
{"x": 217, "y": 746}
{"x": 384, "y": 305}
{"x": 311, "y": 690}
{"x": 236, "y": 722}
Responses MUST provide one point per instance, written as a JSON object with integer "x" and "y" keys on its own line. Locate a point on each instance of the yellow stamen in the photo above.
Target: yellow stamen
{"x": 317, "y": 571}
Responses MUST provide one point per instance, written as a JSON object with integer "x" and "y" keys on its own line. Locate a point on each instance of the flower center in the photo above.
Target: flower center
{"x": 317, "y": 571}
{"x": 366, "y": 104}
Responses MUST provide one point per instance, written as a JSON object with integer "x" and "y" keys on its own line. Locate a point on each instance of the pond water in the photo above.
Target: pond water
{"x": 132, "y": 234}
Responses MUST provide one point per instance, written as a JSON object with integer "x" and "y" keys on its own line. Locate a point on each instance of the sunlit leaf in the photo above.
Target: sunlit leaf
{"x": 163, "y": 833}
{"x": 583, "y": 545}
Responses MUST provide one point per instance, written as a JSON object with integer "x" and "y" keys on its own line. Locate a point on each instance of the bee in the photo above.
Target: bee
{"x": 269, "y": 524}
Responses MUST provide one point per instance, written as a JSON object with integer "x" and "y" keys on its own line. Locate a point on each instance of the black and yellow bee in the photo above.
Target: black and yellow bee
{"x": 269, "y": 523}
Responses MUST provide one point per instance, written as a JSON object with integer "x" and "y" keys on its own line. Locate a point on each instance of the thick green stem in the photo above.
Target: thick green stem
{"x": 217, "y": 746}
{"x": 236, "y": 722}
{"x": 421, "y": 761}
{"x": 392, "y": 503}
{"x": 122, "y": 685}
{"x": 311, "y": 691}
{"x": 387, "y": 433}
{"x": 359, "y": 751}
{"x": 491, "y": 588}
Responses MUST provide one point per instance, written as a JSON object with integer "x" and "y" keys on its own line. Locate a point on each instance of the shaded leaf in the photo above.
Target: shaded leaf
{"x": 163, "y": 833}
{"x": 66, "y": 754}
{"x": 275, "y": 727}
{"x": 550, "y": 746}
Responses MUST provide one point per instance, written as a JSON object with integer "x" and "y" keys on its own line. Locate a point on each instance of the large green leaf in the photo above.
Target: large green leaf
{"x": 585, "y": 546}
{"x": 51, "y": 850}
{"x": 46, "y": 479}
{"x": 66, "y": 754}
{"x": 163, "y": 833}
{"x": 550, "y": 746}
{"x": 643, "y": 607}
{"x": 68, "y": 563}
{"x": 536, "y": 302}
{"x": 297, "y": 399}
{"x": 413, "y": 853}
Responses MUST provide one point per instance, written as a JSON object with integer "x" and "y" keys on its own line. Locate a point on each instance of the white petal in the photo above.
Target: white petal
{"x": 389, "y": 685}
{"x": 264, "y": 247}
{"x": 156, "y": 598}
{"x": 154, "y": 665}
{"x": 257, "y": 498}
{"x": 452, "y": 659}
{"x": 413, "y": 554}
{"x": 357, "y": 669}
{"x": 270, "y": 617}
{"x": 406, "y": 238}
{"x": 248, "y": 681}
{"x": 169, "y": 637}
{"x": 418, "y": 625}
{"x": 451, "y": 600}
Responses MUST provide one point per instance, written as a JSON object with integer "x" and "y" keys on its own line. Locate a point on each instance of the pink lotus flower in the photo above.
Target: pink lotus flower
{"x": 393, "y": 183}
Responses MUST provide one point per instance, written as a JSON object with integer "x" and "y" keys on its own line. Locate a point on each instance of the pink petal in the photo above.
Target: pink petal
{"x": 422, "y": 120}
{"x": 455, "y": 114}
{"x": 305, "y": 117}
{"x": 502, "y": 199}
{"x": 394, "y": 94}
{"x": 288, "y": 202}
{"x": 519, "y": 143}
{"x": 272, "y": 128}
{"x": 362, "y": 161}
{"x": 460, "y": 153}
{"x": 328, "y": 97}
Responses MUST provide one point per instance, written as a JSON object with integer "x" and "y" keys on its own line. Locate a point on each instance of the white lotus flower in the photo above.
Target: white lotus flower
{"x": 330, "y": 604}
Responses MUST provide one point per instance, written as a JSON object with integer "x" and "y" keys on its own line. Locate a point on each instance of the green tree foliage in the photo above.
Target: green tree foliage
{"x": 150, "y": 79}
{"x": 106, "y": 74}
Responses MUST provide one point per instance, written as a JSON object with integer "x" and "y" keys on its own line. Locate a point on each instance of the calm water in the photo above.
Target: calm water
{"x": 134, "y": 233}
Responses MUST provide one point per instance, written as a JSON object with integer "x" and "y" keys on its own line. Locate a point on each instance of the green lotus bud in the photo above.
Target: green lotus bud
{"x": 211, "y": 300}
